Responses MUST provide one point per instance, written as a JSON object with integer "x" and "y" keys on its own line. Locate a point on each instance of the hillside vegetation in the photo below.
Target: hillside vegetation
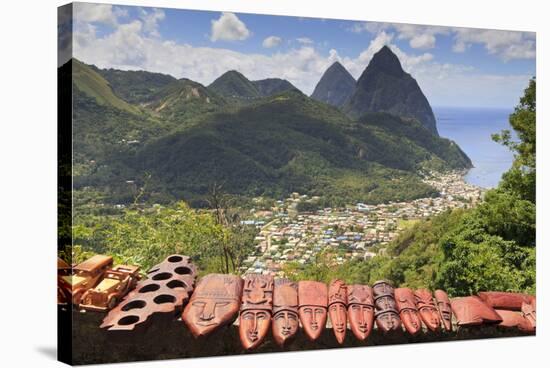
{"x": 489, "y": 247}
{"x": 175, "y": 139}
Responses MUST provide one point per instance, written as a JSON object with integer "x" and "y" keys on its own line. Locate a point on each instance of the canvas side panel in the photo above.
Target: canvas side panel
{"x": 64, "y": 172}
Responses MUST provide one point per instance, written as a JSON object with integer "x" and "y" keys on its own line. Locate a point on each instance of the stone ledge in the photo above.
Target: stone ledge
{"x": 166, "y": 338}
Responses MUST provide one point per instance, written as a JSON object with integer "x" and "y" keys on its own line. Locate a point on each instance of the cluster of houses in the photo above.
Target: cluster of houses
{"x": 360, "y": 231}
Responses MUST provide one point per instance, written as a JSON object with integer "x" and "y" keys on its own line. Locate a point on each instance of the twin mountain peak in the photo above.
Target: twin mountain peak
{"x": 383, "y": 87}
{"x": 366, "y": 142}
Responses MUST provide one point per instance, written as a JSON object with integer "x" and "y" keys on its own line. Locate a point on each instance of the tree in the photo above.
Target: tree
{"x": 521, "y": 178}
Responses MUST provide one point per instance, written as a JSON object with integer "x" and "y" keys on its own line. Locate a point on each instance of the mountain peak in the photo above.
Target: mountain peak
{"x": 335, "y": 86}
{"x": 385, "y": 87}
{"x": 233, "y": 84}
{"x": 386, "y": 60}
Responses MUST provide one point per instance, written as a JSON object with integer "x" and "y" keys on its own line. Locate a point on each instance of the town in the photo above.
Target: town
{"x": 358, "y": 231}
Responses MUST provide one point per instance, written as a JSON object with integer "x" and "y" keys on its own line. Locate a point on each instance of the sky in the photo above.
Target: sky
{"x": 462, "y": 67}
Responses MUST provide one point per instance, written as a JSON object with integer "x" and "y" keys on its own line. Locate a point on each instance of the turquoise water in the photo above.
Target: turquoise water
{"x": 471, "y": 129}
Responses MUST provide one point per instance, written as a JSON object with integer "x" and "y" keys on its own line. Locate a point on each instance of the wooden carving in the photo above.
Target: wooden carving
{"x": 257, "y": 303}
{"x": 529, "y": 311}
{"x": 445, "y": 311}
{"x": 285, "y": 311}
{"x": 427, "y": 309}
{"x": 360, "y": 310}
{"x": 313, "y": 302}
{"x": 505, "y": 300}
{"x": 214, "y": 303}
{"x": 472, "y": 311}
{"x": 406, "y": 305}
{"x": 512, "y": 319}
{"x": 387, "y": 318}
{"x": 337, "y": 303}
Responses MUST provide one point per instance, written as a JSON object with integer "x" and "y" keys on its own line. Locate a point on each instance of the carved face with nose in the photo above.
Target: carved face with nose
{"x": 428, "y": 310}
{"x": 214, "y": 303}
{"x": 254, "y": 325}
{"x": 313, "y": 301}
{"x": 257, "y": 302}
{"x": 338, "y": 299}
{"x": 360, "y": 310}
{"x": 406, "y": 305}
{"x": 285, "y": 310}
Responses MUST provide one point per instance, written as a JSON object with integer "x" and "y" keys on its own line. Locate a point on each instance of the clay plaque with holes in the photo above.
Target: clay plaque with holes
{"x": 360, "y": 310}
{"x": 427, "y": 309}
{"x": 406, "y": 305}
{"x": 313, "y": 302}
{"x": 337, "y": 303}
{"x": 445, "y": 311}
{"x": 165, "y": 290}
{"x": 387, "y": 318}
{"x": 257, "y": 303}
{"x": 285, "y": 311}
{"x": 214, "y": 303}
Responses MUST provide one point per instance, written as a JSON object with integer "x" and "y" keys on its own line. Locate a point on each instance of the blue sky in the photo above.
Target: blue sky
{"x": 453, "y": 66}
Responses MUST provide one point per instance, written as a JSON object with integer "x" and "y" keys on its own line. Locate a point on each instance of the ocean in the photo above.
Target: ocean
{"x": 471, "y": 129}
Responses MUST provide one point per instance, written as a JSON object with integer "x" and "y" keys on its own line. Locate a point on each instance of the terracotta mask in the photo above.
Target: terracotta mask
{"x": 285, "y": 310}
{"x": 404, "y": 298}
{"x": 214, "y": 303}
{"x": 472, "y": 311}
{"x": 428, "y": 311}
{"x": 387, "y": 318}
{"x": 445, "y": 311}
{"x": 337, "y": 303}
{"x": 360, "y": 310}
{"x": 313, "y": 302}
{"x": 529, "y": 311}
{"x": 257, "y": 303}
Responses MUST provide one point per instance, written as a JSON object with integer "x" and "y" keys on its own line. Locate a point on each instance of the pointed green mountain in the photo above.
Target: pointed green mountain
{"x": 233, "y": 84}
{"x": 184, "y": 100}
{"x": 335, "y": 86}
{"x": 385, "y": 87}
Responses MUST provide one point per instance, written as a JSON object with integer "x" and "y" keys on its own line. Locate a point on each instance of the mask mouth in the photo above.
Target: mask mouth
{"x": 205, "y": 322}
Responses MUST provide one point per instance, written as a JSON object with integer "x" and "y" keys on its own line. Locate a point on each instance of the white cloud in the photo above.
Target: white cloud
{"x": 505, "y": 44}
{"x": 371, "y": 27}
{"x": 420, "y": 37}
{"x": 133, "y": 46}
{"x": 97, "y": 13}
{"x": 272, "y": 41}
{"x": 305, "y": 40}
{"x": 229, "y": 28}
{"x": 151, "y": 19}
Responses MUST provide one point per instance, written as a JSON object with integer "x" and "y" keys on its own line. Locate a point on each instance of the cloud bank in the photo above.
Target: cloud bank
{"x": 136, "y": 44}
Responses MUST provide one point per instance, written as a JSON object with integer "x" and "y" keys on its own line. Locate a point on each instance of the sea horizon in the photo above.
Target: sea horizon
{"x": 471, "y": 128}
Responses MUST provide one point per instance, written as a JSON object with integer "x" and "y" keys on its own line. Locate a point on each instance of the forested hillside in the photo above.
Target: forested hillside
{"x": 489, "y": 247}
